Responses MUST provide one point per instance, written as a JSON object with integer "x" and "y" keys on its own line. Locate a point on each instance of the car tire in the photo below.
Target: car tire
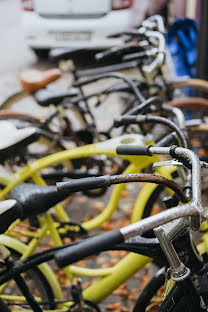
{"x": 42, "y": 54}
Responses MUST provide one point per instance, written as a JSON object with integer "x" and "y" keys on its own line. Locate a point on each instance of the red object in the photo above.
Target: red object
{"x": 27, "y": 5}
{"x": 121, "y": 4}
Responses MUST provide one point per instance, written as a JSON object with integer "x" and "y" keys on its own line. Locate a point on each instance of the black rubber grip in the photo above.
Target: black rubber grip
{"x": 88, "y": 248}
{"x": 133, "y": 150}
{"x": 124, "y": 121}
{"x": 84, "y": 184}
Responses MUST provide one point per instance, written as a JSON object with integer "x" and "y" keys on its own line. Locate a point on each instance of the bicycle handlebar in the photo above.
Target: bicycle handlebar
{"x": 102, "y": 242}
{"x": 150, "y": 70}
{"x": 139, "y": 55}
{"x": 115, "y": 51}
{"x": 153, "y": 22}
{"x": 83, "y": 184}
{"x": 156, "y": 21}
{"x": 88, "y": 247}
{"x": 194, "y": 210}
{"x": 129, "y": 81}
{"x": 106, "y": 181}
{"x": 142, "y": 119}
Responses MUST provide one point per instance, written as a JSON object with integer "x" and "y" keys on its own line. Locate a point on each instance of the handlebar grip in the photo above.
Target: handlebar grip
{"x": 88, "y": 247}
{"x": 83, "y": 184}
{"x": 133, "y": 150}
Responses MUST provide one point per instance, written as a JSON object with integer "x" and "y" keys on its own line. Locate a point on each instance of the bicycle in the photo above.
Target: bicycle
{"x": 100, "y": 218}
{"x": 37, "y": 259}
{"x": 45, "y": 97}
{"x": 120, "y": 239}
{"x": 166, "y": 233}
{"x": 145, "y": 194}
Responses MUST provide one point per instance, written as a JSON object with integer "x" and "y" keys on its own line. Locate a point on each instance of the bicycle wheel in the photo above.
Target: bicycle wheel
{"x": 149, "y": 292}
{"x": 4, "y": 307}
{"x": 11, "y": 100}
{"x": 24, "y": 105}
{"x": 37, "y": 284}
{"x": 151, "y": 299}
{"x": 181, "y": 298}
{"x": 153, "y": 206}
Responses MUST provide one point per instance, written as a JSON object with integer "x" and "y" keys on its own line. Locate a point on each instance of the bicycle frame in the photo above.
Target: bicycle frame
{"x": 111, "y": 277}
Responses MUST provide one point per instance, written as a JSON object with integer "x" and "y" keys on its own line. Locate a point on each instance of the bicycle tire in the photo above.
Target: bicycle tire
{"x": 148, "y": 292}
{"x": 41, "y": 285}
{"x": 7, "y": 115}
{"x": 8, "y": 102}
{"x": 175, "y": 301}
{"x": 149, "y": 208}
{"x": 4, "y": 307}
{"x": 200, "y": 84}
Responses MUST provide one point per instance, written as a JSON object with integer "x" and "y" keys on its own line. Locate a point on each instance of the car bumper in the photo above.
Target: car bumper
{"x": 90, "y": 33}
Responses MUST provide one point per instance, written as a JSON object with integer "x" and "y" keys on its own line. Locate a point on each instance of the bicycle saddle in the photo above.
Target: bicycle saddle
{"x": 45, "y": 97}
{"x": 35, "y": 199}
{"x": 33, "y": 80}
{"x": 13, "y": 139}
{"x": 10, "y": 210}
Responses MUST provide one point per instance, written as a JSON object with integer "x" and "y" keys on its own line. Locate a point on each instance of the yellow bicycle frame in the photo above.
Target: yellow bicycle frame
{"x": 111, "y": 278}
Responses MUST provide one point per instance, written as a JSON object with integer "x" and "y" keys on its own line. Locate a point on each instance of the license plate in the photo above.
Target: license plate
{"x": 71, "y": 36}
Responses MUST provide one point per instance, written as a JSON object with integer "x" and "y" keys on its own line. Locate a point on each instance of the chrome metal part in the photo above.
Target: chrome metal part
{"x": 182, "y": 277}
{"x": 150, "y": 70}
{"x": 163, "y": 217}
{"x": 155, "y": 21}
{"x": 188, "y": 215}
{"x": 194, "y": 210}
{"x": 165, "y": 235}
{"x": 179, "y": 115}
{"x": 167, "y": 163}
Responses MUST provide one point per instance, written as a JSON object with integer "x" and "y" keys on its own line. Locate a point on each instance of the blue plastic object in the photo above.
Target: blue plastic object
{"x": 182, "y": 44}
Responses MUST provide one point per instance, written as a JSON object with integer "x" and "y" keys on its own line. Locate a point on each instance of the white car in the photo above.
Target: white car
{"x": 74, "y": 23}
